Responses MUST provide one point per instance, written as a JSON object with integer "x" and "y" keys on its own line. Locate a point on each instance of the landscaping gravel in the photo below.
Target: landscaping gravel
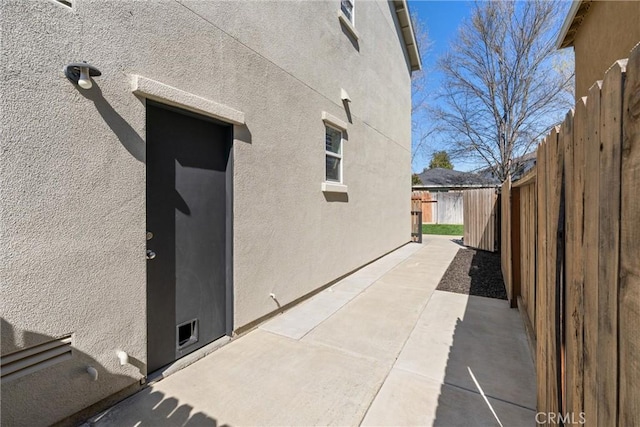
{"x": 474, "y": 272}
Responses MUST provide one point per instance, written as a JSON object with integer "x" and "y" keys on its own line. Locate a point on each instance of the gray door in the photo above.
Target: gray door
{"x": 187, "y": 159}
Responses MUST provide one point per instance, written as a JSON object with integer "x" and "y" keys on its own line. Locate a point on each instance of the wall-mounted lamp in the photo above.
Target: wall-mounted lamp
{"x": 346, "y": 100}
{"x": 344, "y": 95}
{"x": 123, "y": 357}
{"x": 80, "y": 73}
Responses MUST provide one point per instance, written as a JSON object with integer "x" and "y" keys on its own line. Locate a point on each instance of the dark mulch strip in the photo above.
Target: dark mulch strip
{"x": 474, "y": 272}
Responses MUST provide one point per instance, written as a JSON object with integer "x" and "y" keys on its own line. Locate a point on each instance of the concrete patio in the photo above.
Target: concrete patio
{"x": 381, "y": 347}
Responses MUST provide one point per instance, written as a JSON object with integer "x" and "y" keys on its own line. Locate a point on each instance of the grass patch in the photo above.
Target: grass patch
{"x": 443, "y": 229}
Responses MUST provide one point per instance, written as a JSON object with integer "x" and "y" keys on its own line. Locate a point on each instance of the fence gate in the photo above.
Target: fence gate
{"x": 480, "y": 219}
{"x": 416, "y": 217}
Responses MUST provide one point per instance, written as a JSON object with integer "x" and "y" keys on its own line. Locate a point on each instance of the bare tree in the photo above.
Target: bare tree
{"x": 502, "y": 87}
{"x": 421, "y": 127}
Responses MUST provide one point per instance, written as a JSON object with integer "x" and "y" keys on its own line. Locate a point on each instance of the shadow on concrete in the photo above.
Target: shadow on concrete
{"x": 489, "y": 377}
{"x": 154, "y": 409}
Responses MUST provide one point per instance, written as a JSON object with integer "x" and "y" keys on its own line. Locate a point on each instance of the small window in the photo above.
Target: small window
{"x": 333, "y": 154}
{"x": 347, "y": 8}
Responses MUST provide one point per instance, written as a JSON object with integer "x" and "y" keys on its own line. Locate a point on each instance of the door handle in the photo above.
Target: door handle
{"x": 150, "y": 254}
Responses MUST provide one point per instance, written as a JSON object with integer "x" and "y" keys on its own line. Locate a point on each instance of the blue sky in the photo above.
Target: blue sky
{"x": 441, "y": 19}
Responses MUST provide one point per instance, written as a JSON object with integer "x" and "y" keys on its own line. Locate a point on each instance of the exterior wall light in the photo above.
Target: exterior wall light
{"x": 80, "y": 73}
{"x": 344, "y": 96}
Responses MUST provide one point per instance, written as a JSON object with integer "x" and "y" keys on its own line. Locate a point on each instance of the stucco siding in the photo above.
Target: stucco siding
{"x": 608, "y": 32}
{"x": 73, "y": 215}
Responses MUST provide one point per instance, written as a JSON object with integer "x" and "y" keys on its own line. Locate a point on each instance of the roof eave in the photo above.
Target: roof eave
{"x": 408, "y": 35}
{"x": 578, "y": 10}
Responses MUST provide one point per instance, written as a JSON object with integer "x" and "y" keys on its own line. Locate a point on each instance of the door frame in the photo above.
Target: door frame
{"x": 229, "y": 220}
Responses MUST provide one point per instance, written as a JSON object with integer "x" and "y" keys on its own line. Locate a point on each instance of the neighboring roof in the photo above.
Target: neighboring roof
{"x": 523, "y": 164}
{"x": 531, "y": 155}
{"x": 439, "y": 177}
{"x": 519, "y": 166}
{"x": 578, "y": 11}
{"x": 409, "y": 37}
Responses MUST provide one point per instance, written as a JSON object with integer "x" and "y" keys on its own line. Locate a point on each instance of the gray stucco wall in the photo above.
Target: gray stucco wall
{"x": 73, "y": 175}
{"x": 608, "y": 32}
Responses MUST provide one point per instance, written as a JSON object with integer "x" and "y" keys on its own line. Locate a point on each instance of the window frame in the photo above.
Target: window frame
{"x": 352, "y": 18}
{"x": 335, "y": 123}
{"x": 349, "y": 23}
{"x": 339, "y": 156}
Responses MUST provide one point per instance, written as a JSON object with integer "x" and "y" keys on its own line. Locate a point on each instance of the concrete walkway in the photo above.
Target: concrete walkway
{"x": 381, "y": 347}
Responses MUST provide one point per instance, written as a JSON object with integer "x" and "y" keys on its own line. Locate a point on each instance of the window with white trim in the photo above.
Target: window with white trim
{"x": 333, "y": 154}
{"x": 347, "y": 8}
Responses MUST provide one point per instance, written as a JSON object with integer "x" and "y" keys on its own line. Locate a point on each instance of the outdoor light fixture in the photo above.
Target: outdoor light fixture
{"x": 344, "y": 95}
{"x": 80, "y": 73}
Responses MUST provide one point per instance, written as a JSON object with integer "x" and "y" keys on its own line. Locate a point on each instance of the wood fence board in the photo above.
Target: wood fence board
{"x": 465, "y": 216}
{"x": 629, "y": 296}
{"x": 524, "y": 214}
{"x": 506, "y": 259}
{"x": 590, "y": 258}
{"x": 574, "y": 159}
{"x": 567, "y": 304}
{"x": 534, "y": 247}
{"x": 441, "y": 207}
{"x": 554, "y": 190}
{"x": 449, "y": 207}
{"x": 609, "y": 240}
{"x": 527, "y": 214}
{"x": 514, "y": 246}
{"x": 479, "y": 214}
{"x": 567, "y": 350}
{"x": 416, "y": 220}
{"x": 579, "y": 257}
{"x": 541, "y": 294}
{"x": 427, "y": 207}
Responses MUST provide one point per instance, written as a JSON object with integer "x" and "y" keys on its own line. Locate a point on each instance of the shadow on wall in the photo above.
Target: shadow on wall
{"x": 61, "y": 394}
{"x": 58, "y": 391}
{"x": 336, "y": 197}
{"x": 128, "y": 137}
{"x": 352, "y": 39}
{"x": 489, "y": 377}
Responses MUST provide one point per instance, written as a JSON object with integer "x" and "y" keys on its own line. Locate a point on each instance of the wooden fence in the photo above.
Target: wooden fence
{"x": 518, "y": 241}
{"x": 416, "y": 218}
{"x": 579, "y": 261}
{"x": 441, "y": 207}
{"x": 480, "y": 218}
{"x": 509, "y": 242}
